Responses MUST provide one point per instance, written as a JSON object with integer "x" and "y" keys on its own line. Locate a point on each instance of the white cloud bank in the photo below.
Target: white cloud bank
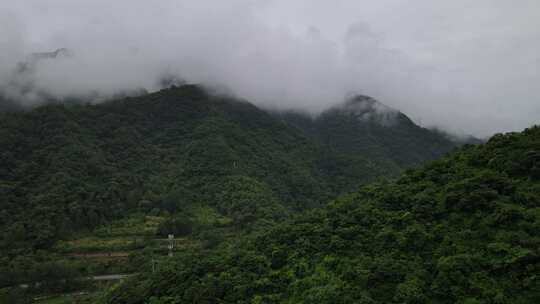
{"x": 466, "y": 66}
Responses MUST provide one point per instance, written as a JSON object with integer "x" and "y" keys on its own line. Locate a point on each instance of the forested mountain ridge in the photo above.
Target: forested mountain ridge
{"x": 66, "y": 167}
{"x": 370, "y": 136}
{"x": 462, "y": 229}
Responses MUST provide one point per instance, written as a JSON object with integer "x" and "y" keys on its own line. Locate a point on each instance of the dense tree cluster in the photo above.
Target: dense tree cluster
{"x": 462, "y": 229}
{"x": 361, "y": 141}
{"x": 71, "y": 167}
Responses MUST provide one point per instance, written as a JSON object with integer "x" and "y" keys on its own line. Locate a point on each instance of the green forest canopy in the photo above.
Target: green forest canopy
{"x": 72, "y": 167}
{"x": 462, "y": 229}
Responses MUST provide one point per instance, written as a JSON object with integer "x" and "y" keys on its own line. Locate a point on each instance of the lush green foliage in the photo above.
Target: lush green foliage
{"x": 463, "y": 229}
{"x": 208, "y": 166}
{"x": 361, "y": 141}
{"x": 70, "y": 166}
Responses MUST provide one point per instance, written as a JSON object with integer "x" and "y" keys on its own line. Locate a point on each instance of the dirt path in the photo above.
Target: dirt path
{"x": 104, "y": 277}
{"x": 109, "y": 277}
{"x": 90, "y": 255}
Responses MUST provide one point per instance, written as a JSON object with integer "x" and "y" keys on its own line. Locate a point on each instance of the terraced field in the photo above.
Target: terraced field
{"x": 125, "y": 246}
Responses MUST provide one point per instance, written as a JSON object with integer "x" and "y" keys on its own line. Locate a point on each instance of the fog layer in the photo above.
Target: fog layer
{"x": 465, "y": 66}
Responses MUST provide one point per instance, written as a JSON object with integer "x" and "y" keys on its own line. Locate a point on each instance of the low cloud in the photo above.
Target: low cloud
{"x": 464, "y": 66}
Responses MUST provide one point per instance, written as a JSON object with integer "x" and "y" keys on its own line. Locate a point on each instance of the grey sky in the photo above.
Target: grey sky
{"x": 467, "y": 66}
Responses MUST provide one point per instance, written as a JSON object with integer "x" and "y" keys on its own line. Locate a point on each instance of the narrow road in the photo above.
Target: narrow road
{"x": 119, "y": 254}
{"x": 109, "y": 277}
{"x": 105, "y": 277}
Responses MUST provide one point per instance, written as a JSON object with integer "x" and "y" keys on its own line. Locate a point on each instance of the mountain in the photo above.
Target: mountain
{"x": 67, "y": 167}
{"x": 462, "y": 229}
{"x": 20, "y": 88}
{"x": 370, "y": 138}
{"x": 70, "y": 168}
{"x": 69, "y": 162}
{"x": 29, "y": 64}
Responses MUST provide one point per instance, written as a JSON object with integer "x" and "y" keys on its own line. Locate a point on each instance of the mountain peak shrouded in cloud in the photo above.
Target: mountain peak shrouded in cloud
{"x": 368, "y": 109}
{"x": 452, "y": 65}
{"x": 35, "y": 58}
{"x": 49, "y": 55}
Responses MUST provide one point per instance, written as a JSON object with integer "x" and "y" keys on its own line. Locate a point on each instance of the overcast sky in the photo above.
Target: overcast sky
{"x": 466, "y": 66}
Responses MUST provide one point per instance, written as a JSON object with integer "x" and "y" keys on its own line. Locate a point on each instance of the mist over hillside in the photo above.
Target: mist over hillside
{"x": 472, "y": 73}
{"x": 269, "y": 152}
{"x": 185, "y": 137}
{"x": 182, "y": 154}
{"x": 22, "y": 93}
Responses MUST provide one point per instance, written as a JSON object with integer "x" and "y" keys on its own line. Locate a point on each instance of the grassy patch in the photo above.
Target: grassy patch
{"x": 96, "y": 244}
{"x": 71, "y": 299}
{"x": 136, "y": 224}
{"x": 207, "y": 216}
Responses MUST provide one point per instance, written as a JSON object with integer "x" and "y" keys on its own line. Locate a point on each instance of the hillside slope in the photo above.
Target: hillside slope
{"x": 368, "y": 137}
{"x": 462, "y": 229}
{"x": 70, "y": 167}
{"x": 66, "y": 167}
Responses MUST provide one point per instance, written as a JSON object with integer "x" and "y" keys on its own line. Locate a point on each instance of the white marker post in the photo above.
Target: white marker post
{"x": 171, "y": 244}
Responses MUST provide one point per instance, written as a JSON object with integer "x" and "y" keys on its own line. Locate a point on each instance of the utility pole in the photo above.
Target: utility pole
{"x": 171, "y": 244}
{"x": 154, "y": 262}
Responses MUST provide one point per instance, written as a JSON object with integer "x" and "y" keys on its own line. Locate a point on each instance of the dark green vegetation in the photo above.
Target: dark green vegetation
{"x": 463, "y": 229}
{"x": 211, "y": 168}
{"x": 363, "y": 138}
